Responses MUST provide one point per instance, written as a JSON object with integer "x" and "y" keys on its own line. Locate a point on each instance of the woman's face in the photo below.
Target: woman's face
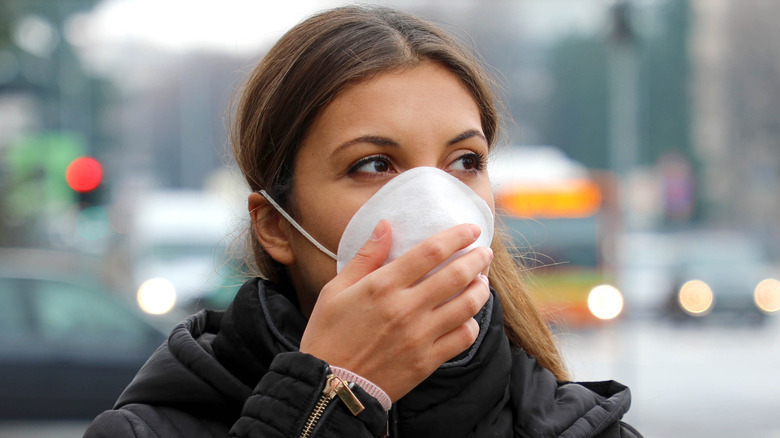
{"x": 368, "y": 134}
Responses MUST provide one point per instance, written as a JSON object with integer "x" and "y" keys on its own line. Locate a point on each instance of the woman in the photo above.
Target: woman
{"x": 345, "y": 102}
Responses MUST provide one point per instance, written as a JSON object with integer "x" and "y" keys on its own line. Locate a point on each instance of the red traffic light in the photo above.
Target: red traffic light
{"x": 84, "y": 174}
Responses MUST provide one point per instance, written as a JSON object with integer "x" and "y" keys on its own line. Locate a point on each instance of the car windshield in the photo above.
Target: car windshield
{"x": 725, "y": 265}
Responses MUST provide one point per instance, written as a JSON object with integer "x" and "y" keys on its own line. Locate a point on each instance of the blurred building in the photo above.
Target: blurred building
{"x": 735, "y": 50}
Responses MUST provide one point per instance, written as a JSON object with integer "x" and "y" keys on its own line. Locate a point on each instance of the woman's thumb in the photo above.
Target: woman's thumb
{"x": 371, "y": 255}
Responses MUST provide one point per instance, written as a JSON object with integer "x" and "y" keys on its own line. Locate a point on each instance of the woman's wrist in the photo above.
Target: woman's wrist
{"x": 368, "y": 386}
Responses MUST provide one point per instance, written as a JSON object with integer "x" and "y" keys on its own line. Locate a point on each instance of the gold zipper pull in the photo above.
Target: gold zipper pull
{"x": 335, "y": 386}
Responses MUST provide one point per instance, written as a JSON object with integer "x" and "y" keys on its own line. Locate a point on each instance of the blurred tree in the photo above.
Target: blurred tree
{"x": 5, "y": 24}
{"x": 62, "y": 112}
{"x": 578, "y": 114}
{"x": 664, "y": 77}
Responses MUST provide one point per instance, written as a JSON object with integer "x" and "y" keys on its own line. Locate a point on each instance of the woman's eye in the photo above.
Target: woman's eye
{"x": 373, "y": 164}
{"x": 469, "y": 162}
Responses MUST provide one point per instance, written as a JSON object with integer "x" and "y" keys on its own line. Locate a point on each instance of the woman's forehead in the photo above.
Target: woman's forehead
{"x": 397, "y": 101}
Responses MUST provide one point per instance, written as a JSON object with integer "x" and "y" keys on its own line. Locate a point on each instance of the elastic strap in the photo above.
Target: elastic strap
{"x": 297, "y": 227}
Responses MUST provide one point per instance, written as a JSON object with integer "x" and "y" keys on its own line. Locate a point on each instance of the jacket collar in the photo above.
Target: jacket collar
{"x": 261, "y": 322}
{"x": 181, "y": 372}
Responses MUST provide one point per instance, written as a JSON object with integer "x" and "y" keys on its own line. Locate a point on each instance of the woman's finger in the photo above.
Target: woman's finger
{"x": 417, "y": 262}
{"x": 455, "y": 341}
{"x": 447, "y": 282}
{"x": 451, "y": 314}
{"x": 369, "y": 257}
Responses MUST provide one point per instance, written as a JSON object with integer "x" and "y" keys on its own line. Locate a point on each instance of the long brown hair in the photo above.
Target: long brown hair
{"x": 307, "y": 68}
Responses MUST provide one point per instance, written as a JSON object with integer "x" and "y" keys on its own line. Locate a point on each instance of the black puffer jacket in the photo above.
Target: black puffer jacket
{"x": 239, "y": 373}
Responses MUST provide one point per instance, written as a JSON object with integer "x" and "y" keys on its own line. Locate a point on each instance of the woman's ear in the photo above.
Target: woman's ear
{"x": 271, "y": 229}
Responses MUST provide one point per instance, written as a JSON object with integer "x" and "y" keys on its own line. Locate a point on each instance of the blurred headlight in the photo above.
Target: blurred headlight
{"x": 767, "y": 295}
{"x": 156, "y": 296}
{"x": 605, "y": 301}
{"x": 696, "y": 298}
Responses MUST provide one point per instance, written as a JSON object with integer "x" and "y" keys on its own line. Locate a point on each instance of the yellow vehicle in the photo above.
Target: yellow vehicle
{"x": 558, "y": 213}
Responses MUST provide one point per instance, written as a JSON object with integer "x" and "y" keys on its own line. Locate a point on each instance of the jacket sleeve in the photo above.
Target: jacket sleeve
{"x": 286, "y": 396}
{"x": 118, "y": 423}
{"x": 147, "y": 421}
{"x": 279, "y": 407}
{"x": 545, "y": 407}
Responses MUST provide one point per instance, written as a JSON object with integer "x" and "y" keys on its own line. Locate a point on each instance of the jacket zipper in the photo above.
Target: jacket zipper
{"x": 333, "y": 387}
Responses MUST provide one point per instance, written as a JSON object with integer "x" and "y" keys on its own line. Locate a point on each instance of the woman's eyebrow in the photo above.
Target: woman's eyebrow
{"x": 373, "y": 139}
{"x": 387, "y": 142}
{"x": 466, "y": 135}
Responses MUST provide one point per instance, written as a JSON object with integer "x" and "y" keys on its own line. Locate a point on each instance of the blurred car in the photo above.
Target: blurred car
{"x": 68, "y": 346}
{"x": 231, "y": 276}
{"x": 644, "y": 263}
{"x": 176, "y": 246}
{"x": 723, "y": 277}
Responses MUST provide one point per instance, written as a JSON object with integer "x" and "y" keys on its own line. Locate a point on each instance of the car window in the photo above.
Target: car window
{"x": 14, "y": 322}
{"x": 74, "y": 313}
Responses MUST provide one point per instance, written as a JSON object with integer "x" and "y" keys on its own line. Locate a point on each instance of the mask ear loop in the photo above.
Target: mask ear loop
{"x": 300, "y": 229}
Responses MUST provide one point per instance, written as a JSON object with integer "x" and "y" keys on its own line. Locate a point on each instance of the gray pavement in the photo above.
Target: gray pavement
{"x": 54, "y": 429}
{"x": 687, "y": 381}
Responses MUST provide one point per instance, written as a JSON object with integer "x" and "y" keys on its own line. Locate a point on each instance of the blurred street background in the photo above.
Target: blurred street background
{"x": 640, "y": 176}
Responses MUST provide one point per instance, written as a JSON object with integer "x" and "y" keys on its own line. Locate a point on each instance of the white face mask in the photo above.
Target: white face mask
{"x": 417, "y": 203}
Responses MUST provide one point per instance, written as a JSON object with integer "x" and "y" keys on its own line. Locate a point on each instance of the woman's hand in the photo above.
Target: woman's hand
{"x": 379, "y": 322}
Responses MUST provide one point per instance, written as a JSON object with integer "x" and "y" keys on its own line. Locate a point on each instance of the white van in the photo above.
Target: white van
{"x": 178, "y": 239}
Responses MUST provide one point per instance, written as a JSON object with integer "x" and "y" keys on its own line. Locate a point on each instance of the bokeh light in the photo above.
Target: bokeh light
{"x": 84, "y": 174}
{"x": 696, "y": 298}
{"x": 157, "y": 296}
{"x": 767, "y": 295}
{"x": 605, "y": 302}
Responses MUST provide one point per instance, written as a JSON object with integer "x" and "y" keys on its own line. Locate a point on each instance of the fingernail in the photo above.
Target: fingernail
{"x": 489, "y": 252}
{"x": 476, "y": 230}
{"x": 379, "y": 230}
{"x": 484, "y": 278}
